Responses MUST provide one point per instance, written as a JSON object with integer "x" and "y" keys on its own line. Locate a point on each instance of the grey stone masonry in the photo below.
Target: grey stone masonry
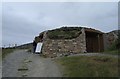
{"x": 59, "y": 47}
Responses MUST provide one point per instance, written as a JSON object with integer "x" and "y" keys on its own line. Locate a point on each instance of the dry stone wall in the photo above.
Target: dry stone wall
{"x": 109, "y": 39}
{"x": 60, "y": 47}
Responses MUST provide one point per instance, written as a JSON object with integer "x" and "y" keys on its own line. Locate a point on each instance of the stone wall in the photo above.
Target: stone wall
{"x": 59, "y": 47}
{"x": 109, "y": 39}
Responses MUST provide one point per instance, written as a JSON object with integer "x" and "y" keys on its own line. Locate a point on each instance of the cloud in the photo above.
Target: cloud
{"x": 23, "y": 21}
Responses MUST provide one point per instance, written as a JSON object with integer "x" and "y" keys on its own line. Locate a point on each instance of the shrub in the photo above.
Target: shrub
{"x": 113, "y": 46}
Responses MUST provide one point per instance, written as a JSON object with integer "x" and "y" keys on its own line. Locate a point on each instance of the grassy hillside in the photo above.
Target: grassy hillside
{"x": 64, "y": 33}
{"x": 25, "y": 46}
{"x": 93, "y": 66}
{"x": 6, "y": 51}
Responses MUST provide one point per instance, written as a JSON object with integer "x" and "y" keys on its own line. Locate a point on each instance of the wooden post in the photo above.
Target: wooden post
{"x": 98, "y": 43}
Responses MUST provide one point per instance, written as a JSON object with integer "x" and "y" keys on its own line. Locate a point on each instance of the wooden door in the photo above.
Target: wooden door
{"x": 92, "y": 43}
{"x": 89, "y": 44}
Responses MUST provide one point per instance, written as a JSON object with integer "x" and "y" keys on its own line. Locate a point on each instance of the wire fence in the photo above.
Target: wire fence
{"x": 9, "y": 45}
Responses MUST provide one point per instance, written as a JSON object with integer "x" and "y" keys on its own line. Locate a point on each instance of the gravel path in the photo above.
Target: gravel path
{"x": 24, "y": 64}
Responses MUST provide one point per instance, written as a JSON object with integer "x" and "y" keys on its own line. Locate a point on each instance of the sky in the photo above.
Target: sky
{"x": 22, "y": 21}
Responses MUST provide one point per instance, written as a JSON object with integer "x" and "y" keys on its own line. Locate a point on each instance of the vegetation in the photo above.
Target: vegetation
{"x": 6, "y": 51}
{"x": 113, "y": 49}
{"x": 113, "y": 46}
{"x": 85, "y": 66}
{"x": 25, "y": 46}
{"x": 112, "y": 52}
{"x": 64, "y": 33}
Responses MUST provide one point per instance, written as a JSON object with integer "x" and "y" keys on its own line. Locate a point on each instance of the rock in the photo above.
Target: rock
{"x": 27, "y": 61}
{"x": 22, "y": 69}
{"x": 24, "y": 75}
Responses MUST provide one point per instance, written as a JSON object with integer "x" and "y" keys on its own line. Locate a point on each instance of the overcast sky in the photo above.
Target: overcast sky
{"x": 21, "y": 22}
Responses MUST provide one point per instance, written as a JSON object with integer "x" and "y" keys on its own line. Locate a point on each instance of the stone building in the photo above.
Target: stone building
{"x": 68, "y": 41}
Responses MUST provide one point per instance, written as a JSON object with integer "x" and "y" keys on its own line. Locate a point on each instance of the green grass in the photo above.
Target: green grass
{"x": 7, "y": 51}
{"x": 64, "y": 33}
{"x": 112, "y": 52}
{"x": 113, "y": 49}
{"x": 94, "y": 66}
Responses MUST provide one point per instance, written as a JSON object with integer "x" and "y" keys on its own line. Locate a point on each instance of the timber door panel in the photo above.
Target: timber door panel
{"x": 92, "y": 42}
{"x": 89, "y": 44}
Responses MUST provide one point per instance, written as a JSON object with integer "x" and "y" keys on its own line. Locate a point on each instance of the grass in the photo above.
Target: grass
{"x": 64, "y": 33}
{"x": 112, "y": 52}
{"x": 6, "y": 51}
{"x": 94, "y": 66}
{"x": 114, "y": 48}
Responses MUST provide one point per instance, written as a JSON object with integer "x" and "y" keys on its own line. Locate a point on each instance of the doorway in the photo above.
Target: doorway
{"x": 92, "y": 42}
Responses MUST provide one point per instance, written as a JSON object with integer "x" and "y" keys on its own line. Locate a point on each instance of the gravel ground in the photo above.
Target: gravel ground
{"x": 25, "y": 64}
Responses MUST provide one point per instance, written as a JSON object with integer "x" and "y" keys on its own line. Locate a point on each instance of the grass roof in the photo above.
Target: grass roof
{"x": 64, "y": 33}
